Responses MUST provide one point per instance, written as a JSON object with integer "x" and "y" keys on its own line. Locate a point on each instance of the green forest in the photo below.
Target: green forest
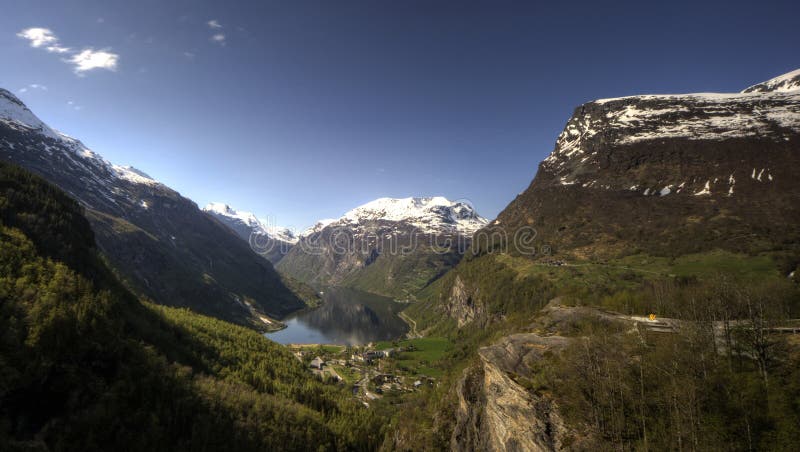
{"x": 85, "y": 365}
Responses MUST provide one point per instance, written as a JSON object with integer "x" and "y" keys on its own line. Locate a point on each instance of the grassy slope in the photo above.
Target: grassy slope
{"x": 516, "y": 287}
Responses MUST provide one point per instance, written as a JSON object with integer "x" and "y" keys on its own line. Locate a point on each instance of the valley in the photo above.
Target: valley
{"x": 345, "y": 317}
{"x": 641, "y": 294}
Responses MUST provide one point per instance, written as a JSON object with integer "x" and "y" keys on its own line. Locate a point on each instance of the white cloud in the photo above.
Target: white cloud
{"x": 219, "y": 38}
{"x": 89, "y": 59}
{"x": 43, "y": 37}
{"x": 38, "y": 36}
{"x": 83, "y": 60}
{"x": 214, "y": 24}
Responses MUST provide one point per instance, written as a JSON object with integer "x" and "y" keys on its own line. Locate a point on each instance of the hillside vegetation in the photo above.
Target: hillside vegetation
{"x": 84, "y": 365}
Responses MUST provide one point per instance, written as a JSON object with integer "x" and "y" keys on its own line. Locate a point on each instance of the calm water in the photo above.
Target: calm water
{"x": 348, "y": 317}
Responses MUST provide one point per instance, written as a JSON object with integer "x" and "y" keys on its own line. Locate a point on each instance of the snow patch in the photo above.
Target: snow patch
{"x": 249, "y": 219}
{"x": 706, "y": 190}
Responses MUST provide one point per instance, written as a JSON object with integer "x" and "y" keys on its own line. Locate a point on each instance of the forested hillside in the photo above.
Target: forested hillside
{"x": 84, "y": 365}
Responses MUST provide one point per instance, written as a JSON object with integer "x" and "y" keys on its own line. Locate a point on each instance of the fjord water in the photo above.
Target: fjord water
{"x": 347, "y": 317}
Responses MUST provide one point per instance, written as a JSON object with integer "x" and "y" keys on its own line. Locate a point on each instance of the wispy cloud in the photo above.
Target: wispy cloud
{"x": 33, "y": 86}
{"x": 59, "y": 49}
{"x": 219, "y": 38}
{"x": 88, "y": 59}
{"x": 82, "y": 61}
{"x": 43, "y": 37}
{"x": 74, "y": 106}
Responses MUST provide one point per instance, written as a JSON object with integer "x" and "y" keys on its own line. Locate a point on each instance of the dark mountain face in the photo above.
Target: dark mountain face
{"x": 669, "y": 175}
{"x": 159, "y": 241}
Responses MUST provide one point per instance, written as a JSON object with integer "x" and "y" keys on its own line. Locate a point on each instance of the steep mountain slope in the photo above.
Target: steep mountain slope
{"x": 388, "y": 246}
{"x": 686, "y": 206}
{"x": 159, "y": 241}
{"x": 85, "y": 366}
{"x": 272, "y": 242}
{"x": 670, "y": 175}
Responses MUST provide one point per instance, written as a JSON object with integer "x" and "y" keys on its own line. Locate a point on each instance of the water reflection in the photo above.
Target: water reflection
{"x": 348, "y": 316}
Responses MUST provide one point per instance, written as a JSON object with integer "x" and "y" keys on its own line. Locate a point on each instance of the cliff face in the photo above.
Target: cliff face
{"x": 463, "y": 303}
{"x": 669, "y": 174}
{"x": 497, "y": 413}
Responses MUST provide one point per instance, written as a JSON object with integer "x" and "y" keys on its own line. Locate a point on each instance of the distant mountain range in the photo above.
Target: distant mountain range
{"x": 161, "y": 243}
{"x": 389, "y": 246}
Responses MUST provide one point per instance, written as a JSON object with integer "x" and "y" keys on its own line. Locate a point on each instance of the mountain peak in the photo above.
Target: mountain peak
{"x": 16, "y": 115}
{"x": 248, "y": 220}
{"x": 429, "y": 214}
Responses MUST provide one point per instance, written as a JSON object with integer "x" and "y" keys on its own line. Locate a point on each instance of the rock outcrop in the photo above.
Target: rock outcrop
{"x": 495, "y": 412}
{"x": 463, "y": 303}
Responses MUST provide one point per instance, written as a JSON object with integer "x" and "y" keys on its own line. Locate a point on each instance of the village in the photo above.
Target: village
{"x": 377, "y": 369}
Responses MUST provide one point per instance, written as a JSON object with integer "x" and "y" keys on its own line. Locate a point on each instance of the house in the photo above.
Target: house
{"x": 317, "y": 363}
{"x": 371, "y": 355}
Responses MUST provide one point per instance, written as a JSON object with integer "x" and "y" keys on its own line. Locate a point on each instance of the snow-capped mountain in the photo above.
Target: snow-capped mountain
{"x": 786, "y": 82}
{"x": 767, "y": 111}
{"x": 161, "y": 243}
{"x": 671, "y": 173}
{"x": 272, "y": 242}
{"x": 390, "y": 246}
{"x": 103, "y": 177}
{"x": 430, "y": 215}
{"x": 318, "y": 226}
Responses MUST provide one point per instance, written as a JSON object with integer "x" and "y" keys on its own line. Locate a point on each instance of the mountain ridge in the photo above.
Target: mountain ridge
{"x": 271, "y": 242}
{"x": 673, "y": 166}
{"x": 160, "y": 242}
{"x": 389, "y": 246}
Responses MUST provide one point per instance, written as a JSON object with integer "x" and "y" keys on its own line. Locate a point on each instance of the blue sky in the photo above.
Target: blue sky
{"x": 302, "y": 110}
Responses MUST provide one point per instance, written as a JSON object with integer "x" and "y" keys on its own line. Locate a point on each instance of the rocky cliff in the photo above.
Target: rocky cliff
{"x": 495, "y": 412}
{"x": 670, "y": 174}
